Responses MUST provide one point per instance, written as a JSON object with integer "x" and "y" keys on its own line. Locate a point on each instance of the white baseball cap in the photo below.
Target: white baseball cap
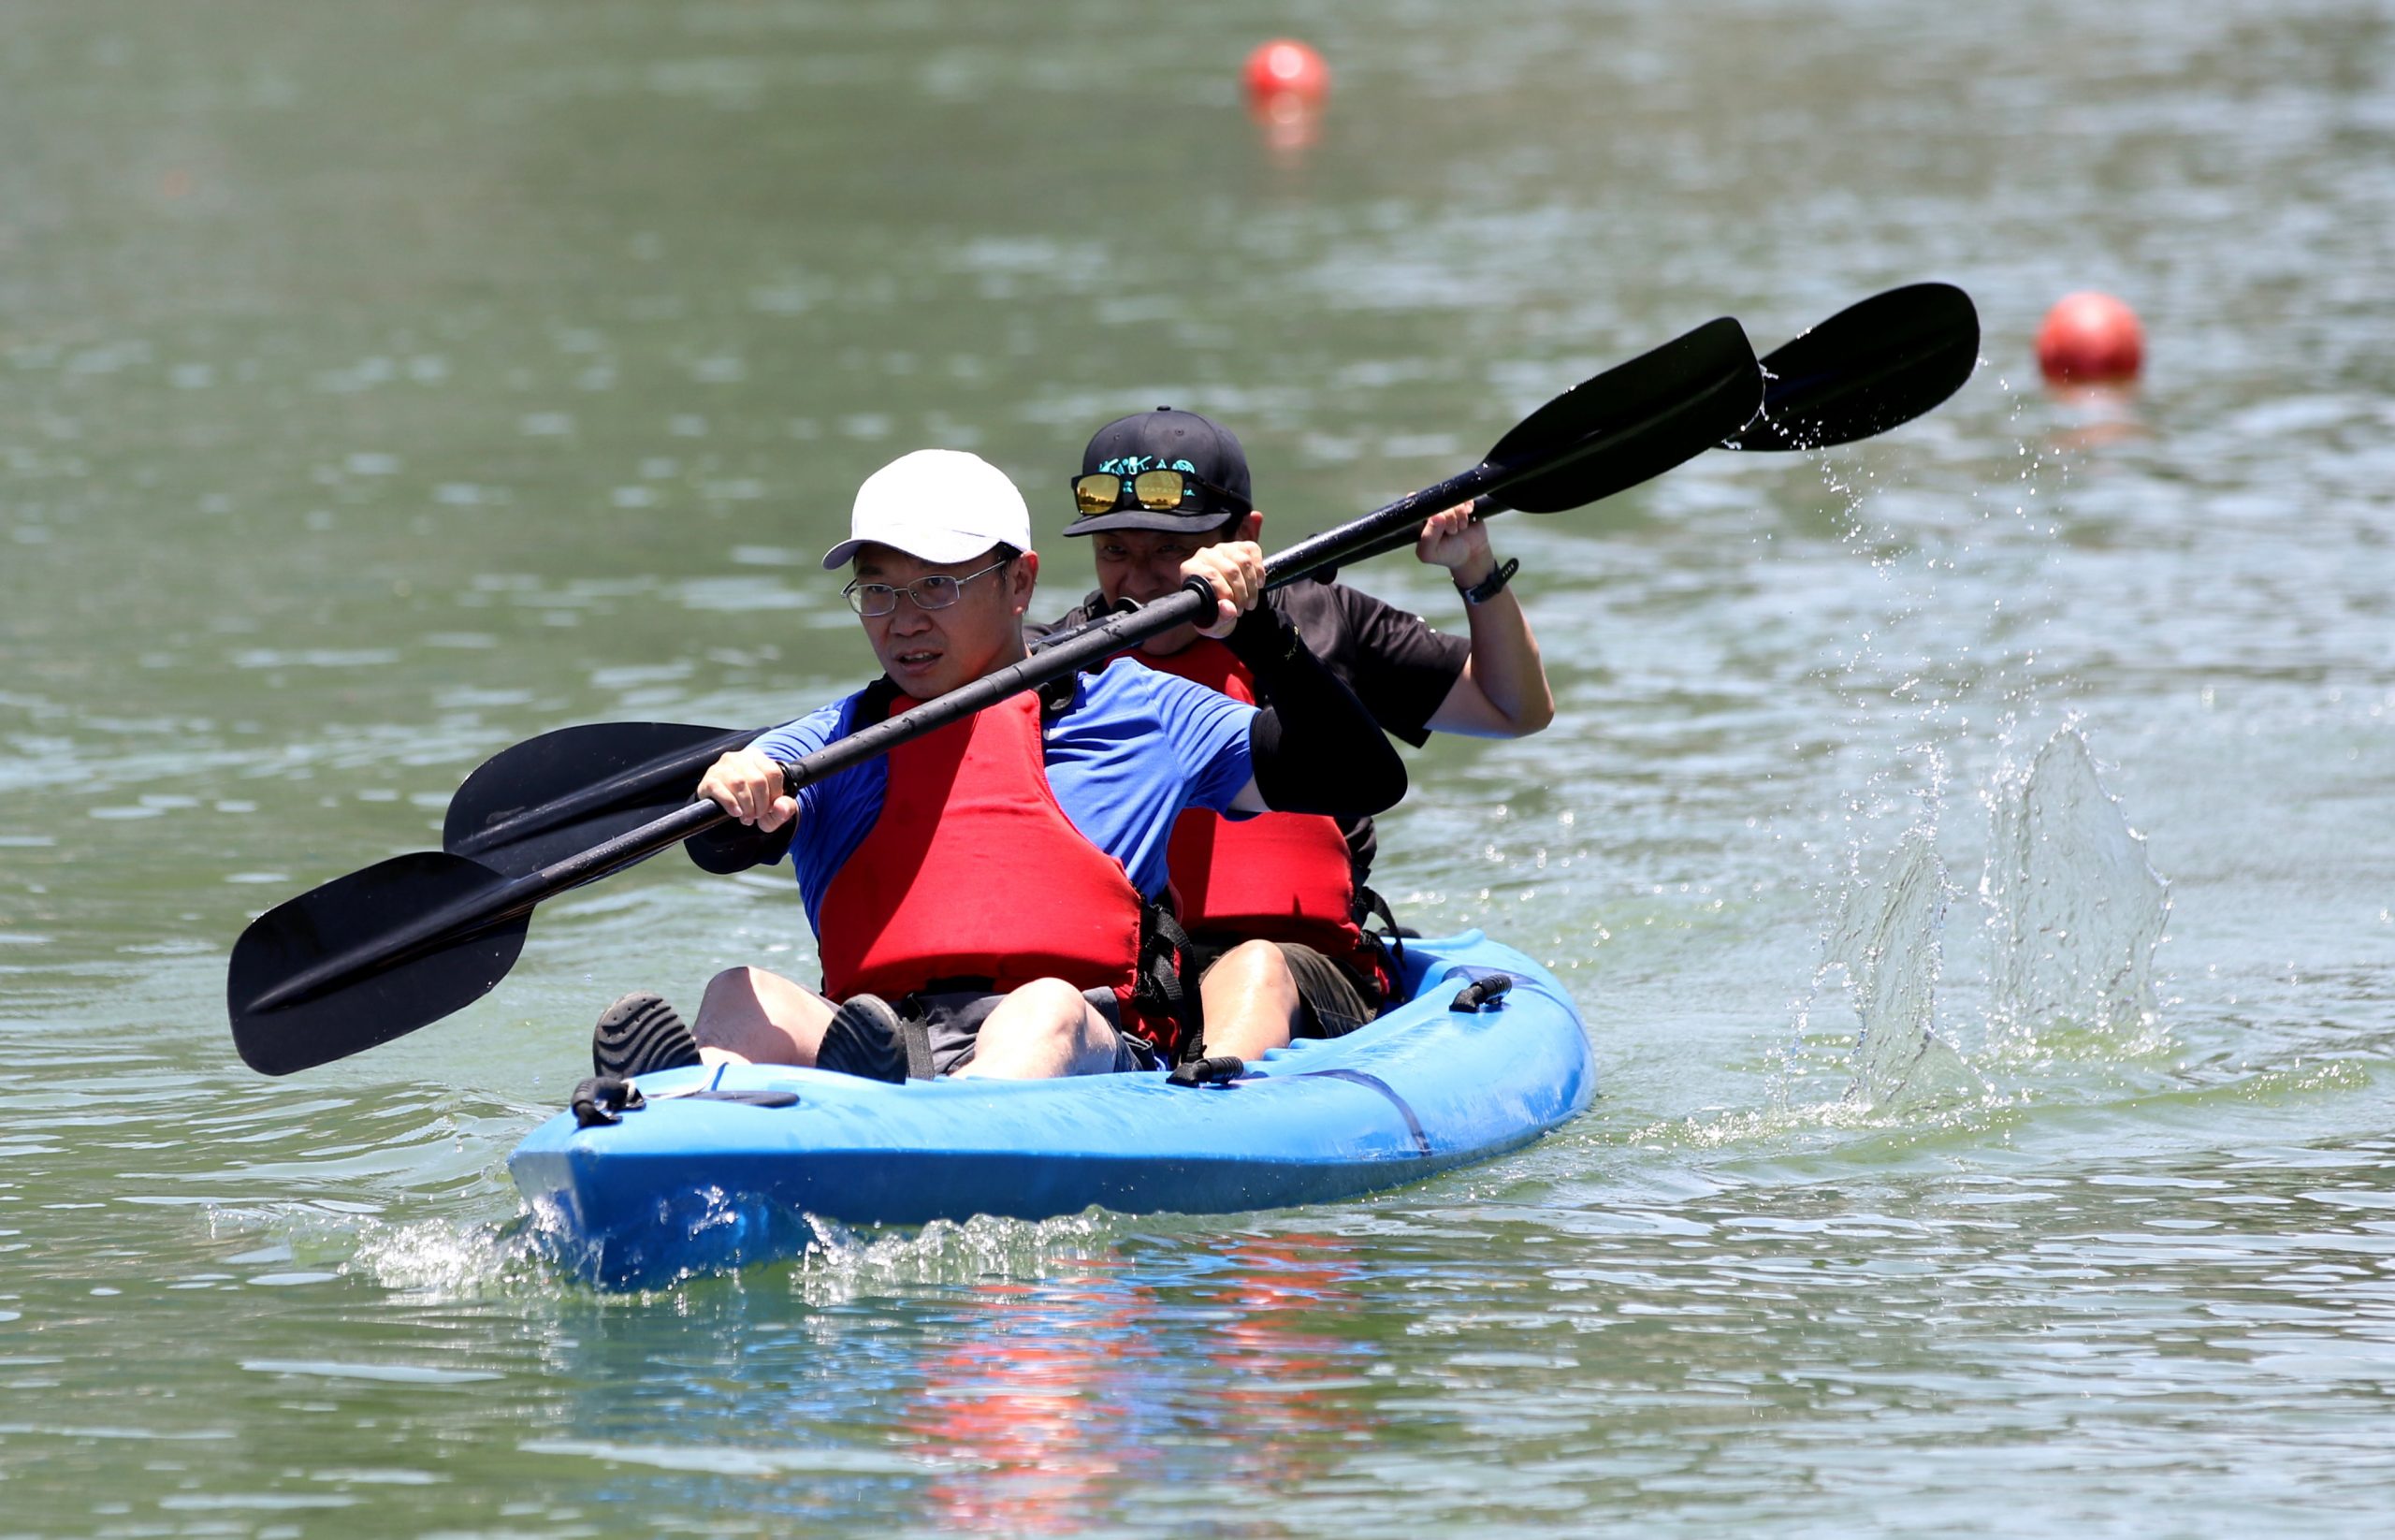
{"x": 938, "y": 504}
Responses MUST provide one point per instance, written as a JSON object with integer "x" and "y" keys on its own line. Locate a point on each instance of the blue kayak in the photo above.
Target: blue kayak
{"x": 719, "y": 1167}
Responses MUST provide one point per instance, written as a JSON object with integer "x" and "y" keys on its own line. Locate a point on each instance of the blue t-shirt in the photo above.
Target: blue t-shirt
{"x": 1134, "y": 749}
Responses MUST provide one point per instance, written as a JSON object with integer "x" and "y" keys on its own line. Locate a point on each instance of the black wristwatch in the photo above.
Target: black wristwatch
{"x": 1494, "y": 584}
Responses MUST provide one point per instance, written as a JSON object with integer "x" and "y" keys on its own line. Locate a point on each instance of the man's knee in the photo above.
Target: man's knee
{"x": 735, "y": 991}
{"x": 735, "y": 982}
{"x": 760, "y": 1015}
{"x": 1044, "y": 1027}
{"x": 1249, "y": 966}
{"x": 1050, "y": 1007}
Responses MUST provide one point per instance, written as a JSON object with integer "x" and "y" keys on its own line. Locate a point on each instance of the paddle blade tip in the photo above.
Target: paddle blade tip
{"x": 1874, "y": 366}
{"x": 362, "y": 960}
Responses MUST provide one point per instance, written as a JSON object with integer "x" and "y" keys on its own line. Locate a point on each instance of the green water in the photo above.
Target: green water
{"x": 381, "y": 385}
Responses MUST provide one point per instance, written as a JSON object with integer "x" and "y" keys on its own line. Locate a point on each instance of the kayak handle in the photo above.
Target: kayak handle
{"x": 1482, "y": 992}
{"x": 603, "y": 1099}
{"x": 1212, "y": 1072}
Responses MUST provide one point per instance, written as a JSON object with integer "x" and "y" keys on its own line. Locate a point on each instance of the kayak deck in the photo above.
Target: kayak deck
{"x": 697, "y": 1182}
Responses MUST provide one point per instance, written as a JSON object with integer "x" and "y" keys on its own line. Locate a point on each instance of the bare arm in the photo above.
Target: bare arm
{"x": 1503, "y": 691}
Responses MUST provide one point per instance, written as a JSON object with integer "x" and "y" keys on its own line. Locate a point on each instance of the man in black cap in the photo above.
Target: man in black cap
{"x": 1276, "y": 903}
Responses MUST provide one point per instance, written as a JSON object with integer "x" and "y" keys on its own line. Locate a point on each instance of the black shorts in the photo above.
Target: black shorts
{"x": 953, "y": 1019}
{"x": 1331, "y": 1001}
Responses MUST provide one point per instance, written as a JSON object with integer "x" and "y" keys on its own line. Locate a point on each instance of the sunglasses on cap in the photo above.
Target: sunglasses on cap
{"x": 1158, "y": 491}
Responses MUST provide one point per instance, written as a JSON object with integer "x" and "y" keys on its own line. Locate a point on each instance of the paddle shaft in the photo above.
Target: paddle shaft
{"x": 1483, "y": 507}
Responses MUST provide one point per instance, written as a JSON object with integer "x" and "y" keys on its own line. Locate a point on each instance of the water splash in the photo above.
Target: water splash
{"x": 2075, "y": 910}
{"x": 845, "y": 1262}
{"x": 2074, "y": 914}
{"x": 451, "y": 1259}
{"x": 445, "y": 1259}
{"x": 1886, "y": 940}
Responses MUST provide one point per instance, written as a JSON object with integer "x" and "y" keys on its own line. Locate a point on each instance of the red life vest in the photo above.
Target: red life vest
{"x": 973, "y": 871}
{"x": 1277, "y": 876}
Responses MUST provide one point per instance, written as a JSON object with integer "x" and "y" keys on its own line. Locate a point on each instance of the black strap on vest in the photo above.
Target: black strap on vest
{"x": 1371, "y": 906}
{"x": 915, "y": 1036}
{"x": 1166, "y": 984}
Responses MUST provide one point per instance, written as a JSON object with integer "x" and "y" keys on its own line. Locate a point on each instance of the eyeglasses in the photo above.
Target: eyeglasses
{"x": 936, "y": 592}
{"x": 1103, "y": 492}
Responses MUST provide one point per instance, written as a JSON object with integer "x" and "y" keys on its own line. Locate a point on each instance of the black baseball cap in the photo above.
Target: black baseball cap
{"x": 1169, "y": 439}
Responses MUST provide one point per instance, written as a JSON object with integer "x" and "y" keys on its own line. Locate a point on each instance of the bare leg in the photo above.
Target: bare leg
{"x": 750, "y": 1016}
{"x": 1041, "y": 1031}
{"x": 1251, "y": 1000}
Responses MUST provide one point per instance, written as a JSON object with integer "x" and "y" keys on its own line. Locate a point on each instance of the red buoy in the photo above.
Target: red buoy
{"x": 2090, "y": 338}
{"x": 1287, "y": 67}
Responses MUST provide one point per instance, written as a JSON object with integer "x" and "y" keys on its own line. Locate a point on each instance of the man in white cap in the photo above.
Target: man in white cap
{"x": 986, "y": 897}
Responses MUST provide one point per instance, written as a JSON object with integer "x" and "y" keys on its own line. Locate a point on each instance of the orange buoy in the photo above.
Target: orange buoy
{"x": 2090, "y": 338}
{"x": 1287, "y": 67}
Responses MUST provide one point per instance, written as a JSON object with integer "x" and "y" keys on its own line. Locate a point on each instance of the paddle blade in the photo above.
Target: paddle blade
{"x": 564, "y": 792}
{"x": 1871, "y": 367}
{"x": 354, "y": 1011}
{"x": 1632, "y": 421}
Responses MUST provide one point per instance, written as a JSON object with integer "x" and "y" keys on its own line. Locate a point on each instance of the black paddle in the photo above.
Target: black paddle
{"x": 1874, "y": 366}
{"x": 383, "y": 951}
{"x": 549, "y": 796}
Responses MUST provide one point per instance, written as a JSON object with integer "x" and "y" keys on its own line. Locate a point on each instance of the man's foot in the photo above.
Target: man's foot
{"x": 638, "y": 1034}
{"x": 865, "y": 1037}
